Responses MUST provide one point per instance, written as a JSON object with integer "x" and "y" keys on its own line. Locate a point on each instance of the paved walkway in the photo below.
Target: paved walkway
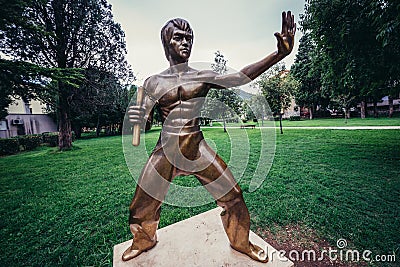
{"x": 319, "y": 127}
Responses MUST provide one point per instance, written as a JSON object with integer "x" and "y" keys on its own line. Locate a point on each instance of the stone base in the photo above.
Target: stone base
{"x": 197, "y": 241}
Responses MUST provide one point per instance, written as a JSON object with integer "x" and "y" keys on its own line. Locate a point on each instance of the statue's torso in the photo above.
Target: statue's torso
{"x": 179, "y": 97}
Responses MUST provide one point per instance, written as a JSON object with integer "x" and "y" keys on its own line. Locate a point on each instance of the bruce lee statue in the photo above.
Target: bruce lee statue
{"x": 177, "y": 93}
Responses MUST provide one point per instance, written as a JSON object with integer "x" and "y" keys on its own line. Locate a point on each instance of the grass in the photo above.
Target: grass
{"x": 71, "y": 208}
{"x": 336, "y": 122}
{"x": 340, "y": 122}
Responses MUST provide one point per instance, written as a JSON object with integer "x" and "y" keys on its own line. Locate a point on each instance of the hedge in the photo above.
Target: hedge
{"x": 294, "y": 118}
{"x": 9, "y": 146}
{"x": 29, "y": 142}
{"x": 51, "y": 139}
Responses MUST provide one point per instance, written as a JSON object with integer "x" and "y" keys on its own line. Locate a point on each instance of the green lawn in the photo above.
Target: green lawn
{"x": 71, "y": 208}
{"x": 337, "y": 122}
{"x": 340, "y": 122}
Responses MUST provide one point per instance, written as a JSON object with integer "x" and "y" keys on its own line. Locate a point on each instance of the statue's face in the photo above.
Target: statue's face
{"x": 181, "y": 45}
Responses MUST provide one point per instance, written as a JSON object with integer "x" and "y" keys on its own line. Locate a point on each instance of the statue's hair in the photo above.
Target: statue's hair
{"x": 168, "y": 30}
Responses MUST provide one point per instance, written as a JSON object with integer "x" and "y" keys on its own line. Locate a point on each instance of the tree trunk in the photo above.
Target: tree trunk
{"x": 375, "y": 109}
{"x": 346, "y": 114}
{"x": 64, "y": 122}
{"x": 64, "y": 127}
{"x": 262, "y": 119}
{"x": 391, "y": 109}
{"x": 280, "y": 122}
{"x": 224, "y": 126}
{"x": 98, "y": 126}
{"x": 63, "y": 112}
{"x": 363, "y": 109}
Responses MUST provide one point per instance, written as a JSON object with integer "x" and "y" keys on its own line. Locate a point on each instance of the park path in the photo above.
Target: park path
{"x": 319, "y": 127}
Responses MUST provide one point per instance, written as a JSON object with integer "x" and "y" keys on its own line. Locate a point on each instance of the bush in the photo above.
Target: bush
{"x": 9, "y": 146}
{"x": 29, "y": 142}
{"x": 51, "y": 139}
{"x": 294, "y": 118}
{"x": 326, "y": 114}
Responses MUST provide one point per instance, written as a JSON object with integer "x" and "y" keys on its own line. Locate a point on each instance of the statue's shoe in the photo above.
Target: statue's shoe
{"x": 131, "y": 252}
{"x": 255, "y": 252}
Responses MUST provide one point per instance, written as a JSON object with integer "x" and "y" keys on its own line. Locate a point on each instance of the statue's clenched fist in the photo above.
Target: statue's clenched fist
{"x": 136, "y": 114}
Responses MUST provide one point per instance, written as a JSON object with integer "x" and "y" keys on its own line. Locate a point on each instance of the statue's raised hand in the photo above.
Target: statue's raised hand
{"x": 286, "y": 37}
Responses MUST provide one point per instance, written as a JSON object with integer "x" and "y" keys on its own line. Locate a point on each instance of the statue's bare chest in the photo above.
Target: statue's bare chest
{"x": 174, "y": 90}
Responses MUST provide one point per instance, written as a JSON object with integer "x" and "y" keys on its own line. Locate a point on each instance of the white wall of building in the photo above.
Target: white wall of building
{"x": 26, "y": 118}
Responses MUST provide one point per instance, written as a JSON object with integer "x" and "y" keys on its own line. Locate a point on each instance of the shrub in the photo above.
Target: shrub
{"x": 29, "y": 142}
{"x": 8, "y": 146}
{"x": 294, "y": 118}
{"x": 51, "y": 139}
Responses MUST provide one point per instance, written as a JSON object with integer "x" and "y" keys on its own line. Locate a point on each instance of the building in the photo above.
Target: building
{"x": 292, "y": 111}
{"x": 382, "y": 106}
{"x": 26, "y": 118}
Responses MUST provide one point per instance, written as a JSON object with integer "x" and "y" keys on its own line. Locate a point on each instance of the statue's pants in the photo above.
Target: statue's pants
{"x": 184, "y": 154}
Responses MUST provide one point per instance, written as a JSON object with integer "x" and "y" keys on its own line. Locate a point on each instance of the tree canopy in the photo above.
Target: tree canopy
{"x": 65, "y": 34}
{"x": 228, "y": 96}
{"x": 307, "y": 70}
{"x": 353, "y": 49}
{"x": 277, "y": 86}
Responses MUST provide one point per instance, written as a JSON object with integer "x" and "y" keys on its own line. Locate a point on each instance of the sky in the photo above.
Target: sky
{"x": 241, "y": 30}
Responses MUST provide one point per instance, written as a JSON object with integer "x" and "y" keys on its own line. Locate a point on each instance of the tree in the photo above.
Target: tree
{"x": 277, "y": 85}
{"x": 227, "y": 96}
{"x": 356, "y": 44}
{"x": 28, "y": 81}
{"x": 99, "y": 101}
{"x": 255, "y": 108}
{"x": 385, "y": 17}
{"x": 307, "y": 71}
{"x": 67, "y": 34}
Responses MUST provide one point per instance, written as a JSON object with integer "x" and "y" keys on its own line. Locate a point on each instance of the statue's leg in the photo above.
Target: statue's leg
{"x": 145, "y": 208}
{"x": 143, "y": 222}
{"x": 219, "y": 181}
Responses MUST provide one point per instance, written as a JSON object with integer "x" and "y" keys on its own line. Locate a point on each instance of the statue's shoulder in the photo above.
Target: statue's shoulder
{"x": 150, "y": 83}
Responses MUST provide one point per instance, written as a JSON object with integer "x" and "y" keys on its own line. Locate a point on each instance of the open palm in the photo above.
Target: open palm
{"x": 286, "y": 37}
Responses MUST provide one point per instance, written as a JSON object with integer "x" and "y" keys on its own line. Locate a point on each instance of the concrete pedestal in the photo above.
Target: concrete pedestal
{"x": 197, "y": 241}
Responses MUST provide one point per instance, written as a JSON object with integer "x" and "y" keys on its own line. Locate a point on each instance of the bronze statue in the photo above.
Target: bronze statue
{"x": 174, "y": 93}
